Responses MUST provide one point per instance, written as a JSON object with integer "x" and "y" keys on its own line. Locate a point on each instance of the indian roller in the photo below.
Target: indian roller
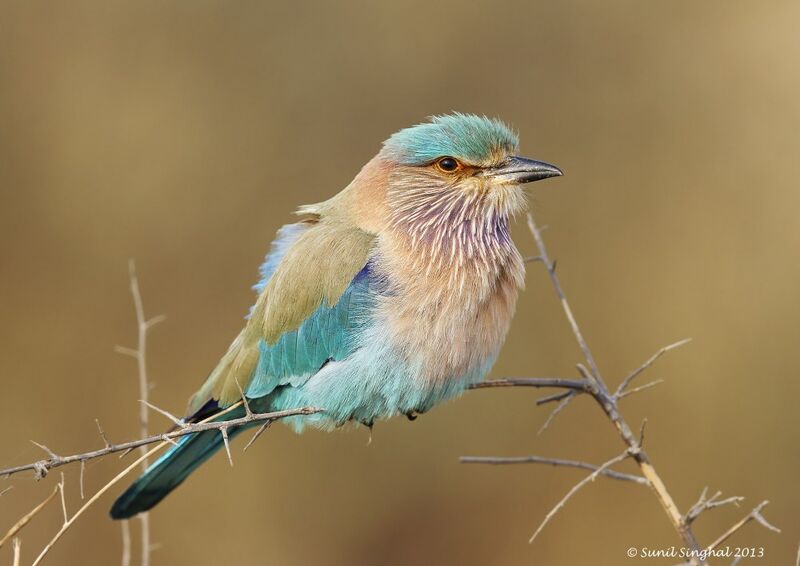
{"x": 392, "y": 296}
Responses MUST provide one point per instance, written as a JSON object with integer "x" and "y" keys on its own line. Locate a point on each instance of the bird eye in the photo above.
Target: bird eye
{"x": 447, "y": 164}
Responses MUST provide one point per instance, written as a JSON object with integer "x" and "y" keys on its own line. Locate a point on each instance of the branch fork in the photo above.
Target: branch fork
{"x": 593, "y": 384}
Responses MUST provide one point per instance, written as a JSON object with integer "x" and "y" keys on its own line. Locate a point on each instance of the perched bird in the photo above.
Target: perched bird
{"x": 390, "y": 297}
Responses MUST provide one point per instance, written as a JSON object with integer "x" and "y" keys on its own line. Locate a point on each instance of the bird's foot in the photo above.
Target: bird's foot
{"x": 369, "y": 424}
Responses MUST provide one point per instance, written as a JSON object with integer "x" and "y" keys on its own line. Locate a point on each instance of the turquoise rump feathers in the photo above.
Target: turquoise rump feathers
{"x": 390, "y": 297}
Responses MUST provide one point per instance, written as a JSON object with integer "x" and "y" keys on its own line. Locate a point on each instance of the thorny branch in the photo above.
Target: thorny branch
{"x": 539, "y": 382}
{"x": 593, "y": 384}
{"x": 12, "y": 532}
{"x": 143, "y": 325}
{"x": 42, "y": 467}
{"x": 590, "y": 478}
{"x": 623, "y": 387}
{"x": 163, "y": 440}
{"x": 704, "y": 503}
{"x": 754, "y": 515}
{"x": 69, "y": 521}
{"x": 554, "y": 462}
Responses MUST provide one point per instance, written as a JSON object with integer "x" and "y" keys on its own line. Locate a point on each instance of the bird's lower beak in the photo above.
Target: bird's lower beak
{"x": 517, "y": 170}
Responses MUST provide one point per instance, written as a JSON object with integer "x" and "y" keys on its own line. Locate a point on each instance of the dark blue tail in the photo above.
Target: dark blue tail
{"x": 169, "y": 471}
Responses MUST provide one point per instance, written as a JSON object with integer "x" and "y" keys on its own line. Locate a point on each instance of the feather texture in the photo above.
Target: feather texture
{"x": 308, "y": 270}
{"x": 477, "y": 140}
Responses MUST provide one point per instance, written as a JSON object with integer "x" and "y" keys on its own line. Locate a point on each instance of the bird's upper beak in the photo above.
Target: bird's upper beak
{"x": 516, "y": 170}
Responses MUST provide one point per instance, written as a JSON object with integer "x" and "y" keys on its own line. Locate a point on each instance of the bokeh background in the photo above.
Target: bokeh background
{"x": 183, "y": 134}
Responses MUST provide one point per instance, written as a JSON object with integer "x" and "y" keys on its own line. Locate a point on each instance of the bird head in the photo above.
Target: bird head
{"x": 456, "y": 167}
{"x": 453, "y": 169}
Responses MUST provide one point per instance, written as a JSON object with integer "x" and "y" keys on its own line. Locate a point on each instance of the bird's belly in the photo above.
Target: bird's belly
{"x": 374, "y": 383}
{"x": 416, "y": 352}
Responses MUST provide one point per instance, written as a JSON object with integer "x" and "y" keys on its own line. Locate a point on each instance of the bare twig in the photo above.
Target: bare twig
{"x": 144, "y": 545}
{"x": 224, "y": 432}
{"x": 539, "y": 382}
{"x": 591, "y": 477}
{"x": 554, "y": 398}
{"x": 155, "y": 320}
{"x": 102, "y": 433}
{"x": 201, "y": 426}
{"x": 12, "y": 532}
{"x": 597, "y": 388}
{"x": 594, "y": 384}
{"x": 126, "y": 542}
{"x": 647, "y": 385}
{"x": 42, "y": 467}
{"x": 140, "y": 355}
{"x": 165, "y": 437}
{"x": 754, "y": 515}
{"x": 704, "y": 503}
{"x": 641, "y": 432}
{"x": 17, "y": 548}
{"x": 125, "y": 351}
{"x": 569, "y": 396}
{"x": 46, "y": 449}
{"x": 243, "y": 397}
{"x": 258, "y": 433}
{"x": 638, "y": 371}
{"x": 572, "y": 387}
{"x": 63, "y": 498}
{"x": 175, "y": 420}
{"x": 551, "y": 271}
{"x": 499, "y": 461}
{"x": 71, "y": 521}
{"x": 584, "y": 372}
{"x": 6, "y": 490}
{"x": 80, "y": 481}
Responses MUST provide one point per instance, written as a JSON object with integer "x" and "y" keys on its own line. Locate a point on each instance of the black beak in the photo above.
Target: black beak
{"x": 518, "y": 170}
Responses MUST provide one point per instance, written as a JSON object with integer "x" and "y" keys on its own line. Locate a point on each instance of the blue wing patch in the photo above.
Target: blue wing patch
{"x": 329, "y": 334}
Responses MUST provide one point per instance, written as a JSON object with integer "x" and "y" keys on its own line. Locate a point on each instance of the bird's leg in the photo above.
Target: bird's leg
{"x": 369, "y": 424}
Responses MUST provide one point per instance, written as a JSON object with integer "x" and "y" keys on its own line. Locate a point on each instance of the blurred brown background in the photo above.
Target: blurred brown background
{"x": 183, "y": 134}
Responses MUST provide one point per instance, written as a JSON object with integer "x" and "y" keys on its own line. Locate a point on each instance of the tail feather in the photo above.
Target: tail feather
{"x": 169, "y": 471}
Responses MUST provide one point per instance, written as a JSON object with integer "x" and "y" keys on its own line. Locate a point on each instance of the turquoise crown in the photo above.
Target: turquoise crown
{"x": 470, "y": 138}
